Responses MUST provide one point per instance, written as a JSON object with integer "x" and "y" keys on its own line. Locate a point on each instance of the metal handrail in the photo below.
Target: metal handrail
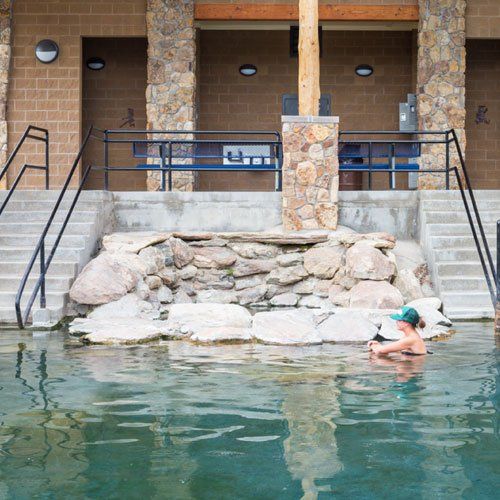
{"x": 40, "y": 250}
{"x": 491, "y": 273}
{"x": 40, "y": 247}
{"x": 27, "y": 166}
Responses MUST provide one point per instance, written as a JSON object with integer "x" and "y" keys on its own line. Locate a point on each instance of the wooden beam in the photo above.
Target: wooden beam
{"x": 290, "y": 12}
{"x": 309, "y": 91}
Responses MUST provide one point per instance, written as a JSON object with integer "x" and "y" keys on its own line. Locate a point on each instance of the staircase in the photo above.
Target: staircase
{"x": 21, "y": 225}
{"x": 451, "y": 253}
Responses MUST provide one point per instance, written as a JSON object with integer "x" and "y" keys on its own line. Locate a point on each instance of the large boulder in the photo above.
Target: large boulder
{"x": 347, "y": 326}
{"x": 409, "y": 285}
{"x": 324, "y": 262}
{"x": 116, "y": 330}
{"x": 132, "y": 242}
{"x": 366, "y": 262}
{"x": 435, "y": 326}
{"x": 375, "y": 295}
{"x": 213, "y": 257}
{"x": 153, "y": 258}
{"x": 182, "y": 253}
{"x": 107, "y": 277}
{"x": 129, "y": 306}
{"x": 187, "y": 318}
{"x": 432, "y": 302}
{"x": 291, "y": 327}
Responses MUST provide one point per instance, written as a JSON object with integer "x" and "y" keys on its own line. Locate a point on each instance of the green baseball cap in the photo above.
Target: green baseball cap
{"x": 407, "y": 314}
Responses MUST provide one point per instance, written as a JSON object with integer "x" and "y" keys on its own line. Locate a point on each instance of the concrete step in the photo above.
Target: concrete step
{"x": 34, "y": 216}
{"x": 470, "y": 299}
{"x": 459, "y": 229}
{"x": 16, "y": 269}
{"x": 461, "y": 254}
{"x": 52, "y": 283}
{"x": 452, "y": 269}
{"x": 489, "y": 205}
{"x": 19, "y": 240}
{"x": 54, "y": 299}
{"x": 48, "y": 205}
{"x": 463, "y": 284}
{"x": 8, "y": 314}
{"x": 467, "y": 313}
{"x": 458, "y": 217}
{"x": 53, "y": 194}
{"x": 443, "y": 242}
{"x": 454, "y": 195}
{"x": 24, "y": 254}
{"x": 36, "y": 228}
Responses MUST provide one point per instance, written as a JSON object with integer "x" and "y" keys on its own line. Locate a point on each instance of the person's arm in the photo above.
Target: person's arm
{"x": 397, "y": 346}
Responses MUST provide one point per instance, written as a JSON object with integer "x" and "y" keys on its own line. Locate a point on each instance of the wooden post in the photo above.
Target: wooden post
{"x": 309, "y": 91}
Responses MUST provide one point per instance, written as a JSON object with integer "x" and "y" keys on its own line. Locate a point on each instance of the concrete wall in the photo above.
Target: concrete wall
{"x": 394, "y": 212}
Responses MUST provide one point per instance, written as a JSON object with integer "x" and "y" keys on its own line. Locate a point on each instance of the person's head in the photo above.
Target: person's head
{"x": 408, "y": 319}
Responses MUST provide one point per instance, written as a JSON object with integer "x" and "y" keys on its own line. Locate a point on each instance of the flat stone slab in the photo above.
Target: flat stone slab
{"x": 117, "y": 331}
{"x": 347, "y": 326}
{"x": 276, "y": 238}
{"x": 227, "y": 334}
{"x": 132, "y": 242}
{"x": 192, "y": 235}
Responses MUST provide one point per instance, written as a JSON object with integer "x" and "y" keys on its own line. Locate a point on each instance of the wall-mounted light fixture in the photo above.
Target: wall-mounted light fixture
{"x": 248, "y": 70}
{"x": 364, "y": 70}
{"x": 46, "y": 51}
{"x": 95, "y": 63}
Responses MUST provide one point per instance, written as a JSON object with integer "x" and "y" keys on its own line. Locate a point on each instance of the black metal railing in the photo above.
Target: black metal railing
{"x": 167, "y": 166}
{"x": 498, "y": 265}
{"x": 410, "y": 148}
{"x": 28, "y": 134}
{"x": 167, "y": 152}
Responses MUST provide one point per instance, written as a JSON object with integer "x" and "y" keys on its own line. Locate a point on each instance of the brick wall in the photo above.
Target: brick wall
{"x": 482, "y": 19}
{"x": 107, "y": 96}
{"x": 331, "y": 2}
{"x": 483, "y": 89}
{"x": 50, "y": 95}
{"x": 231, "y": 101}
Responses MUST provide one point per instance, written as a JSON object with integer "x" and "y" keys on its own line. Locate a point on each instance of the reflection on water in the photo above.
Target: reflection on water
{"x": 181, "y": 421}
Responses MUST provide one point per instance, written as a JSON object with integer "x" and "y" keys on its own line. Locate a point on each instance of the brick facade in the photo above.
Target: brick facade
{"x": 49, "y": 95}
{"x": 483, "y": 19}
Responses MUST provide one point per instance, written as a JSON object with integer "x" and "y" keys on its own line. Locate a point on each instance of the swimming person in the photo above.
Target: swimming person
{"x": 411, "y": 343}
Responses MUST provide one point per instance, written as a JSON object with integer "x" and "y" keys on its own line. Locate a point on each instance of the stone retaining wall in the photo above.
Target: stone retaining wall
{"x": 316, "y": 269}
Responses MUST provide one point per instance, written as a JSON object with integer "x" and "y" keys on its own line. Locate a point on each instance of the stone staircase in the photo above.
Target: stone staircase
{"x": 21, "y": 225}
{"x": 451, "y": 253}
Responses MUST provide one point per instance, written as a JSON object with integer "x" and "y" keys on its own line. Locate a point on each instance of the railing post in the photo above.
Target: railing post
{"x": 162, "y": 166}
{"x": 106, "y": 161}
{"x": 392, "y": 159}
{"x": 47, "y": 160}
{"x": 43, "y": 301}
{"x": 169, "y": 166}
{"x": 370, "y": 163}
{"x": 447, "y": 160}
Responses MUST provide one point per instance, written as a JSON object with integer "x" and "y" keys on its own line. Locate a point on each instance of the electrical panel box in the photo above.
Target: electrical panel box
{"x": 408, "y": 114}
{"x": 241, "y": 154}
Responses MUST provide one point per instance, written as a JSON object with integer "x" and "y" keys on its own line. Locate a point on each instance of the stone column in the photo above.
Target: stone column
{"x": 310, "y": 172}
{"x": 5, "y": 19}
{"x": 171, "y": 90}
{"x": 440, "y": 80}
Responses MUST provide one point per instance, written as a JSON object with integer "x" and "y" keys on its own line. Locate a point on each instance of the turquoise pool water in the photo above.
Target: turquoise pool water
{"x": 182, "y": 421}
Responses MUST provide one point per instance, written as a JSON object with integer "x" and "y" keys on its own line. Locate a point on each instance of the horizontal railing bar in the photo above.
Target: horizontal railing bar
{"x": 202, "y": 132}
{"x": 392, "y": 132}
{"x": 192, "y": 141}
{"x": 38, "y": 138}
{"x": 395, "y": 141}
{"x": 176, "y": 168}
{"x": 36, "y": 167}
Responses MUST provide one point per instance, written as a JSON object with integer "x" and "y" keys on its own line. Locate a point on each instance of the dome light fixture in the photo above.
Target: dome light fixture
{"x": 46, "y": 51}
{"x": 96, "y": 63}
{"x": 248, "y": 70}
{"x": 364, "y": 70}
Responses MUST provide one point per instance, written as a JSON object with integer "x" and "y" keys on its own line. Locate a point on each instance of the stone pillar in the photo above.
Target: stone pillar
{"x": 5, "y": 19}
{"x": 440, "y": 80}
{"x": 310, "y": 172}
{"x": 171, "y": 90}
